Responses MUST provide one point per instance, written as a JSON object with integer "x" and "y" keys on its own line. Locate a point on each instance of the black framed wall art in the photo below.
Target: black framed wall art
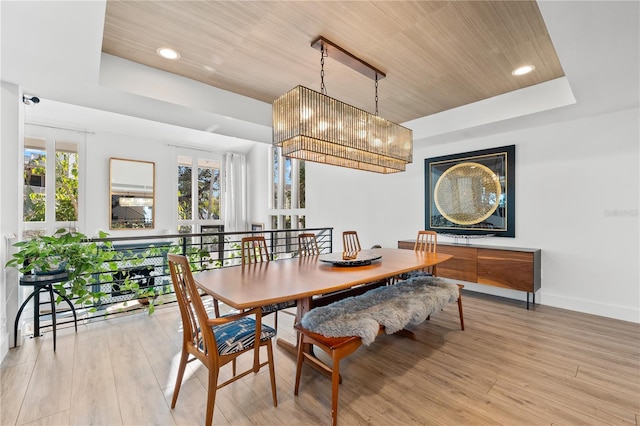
{"x": 472, "y": 193}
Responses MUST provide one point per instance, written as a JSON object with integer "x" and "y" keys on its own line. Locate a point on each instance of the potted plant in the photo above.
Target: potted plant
{"x": 88, "y": 264}
{"x": 73, "y": 252}
{"x": 139, "y": 279}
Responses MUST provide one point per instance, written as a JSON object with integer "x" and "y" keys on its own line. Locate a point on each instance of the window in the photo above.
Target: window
{"x": 199, "y": 189}
{"x": 185, "y": 209}
{"x": 66, "y": 182}
{"x": 288, "y": 192}
{"x": 50, "y": 182}
{"x": 285, "y": 222}
{"x": 35, "y": 166}
{"x": 208, "y": 189}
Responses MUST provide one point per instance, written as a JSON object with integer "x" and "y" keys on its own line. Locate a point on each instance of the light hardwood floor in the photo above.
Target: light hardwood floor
{"x": 510, "y": 366}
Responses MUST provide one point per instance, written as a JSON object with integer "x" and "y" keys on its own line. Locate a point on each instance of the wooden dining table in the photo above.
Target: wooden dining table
{"x": 302, "y": 278}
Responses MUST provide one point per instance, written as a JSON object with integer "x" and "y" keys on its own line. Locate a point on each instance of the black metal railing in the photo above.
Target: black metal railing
{"x": 140, "y": 263}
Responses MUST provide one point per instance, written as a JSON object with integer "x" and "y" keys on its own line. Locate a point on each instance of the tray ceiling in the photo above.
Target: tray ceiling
{"x": 436, "y": 55}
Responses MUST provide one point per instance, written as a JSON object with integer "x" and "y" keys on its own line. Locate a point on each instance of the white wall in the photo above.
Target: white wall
{"x": 12, "y": 115}
{"x": 577, "y": 199}
{"x": 102, "y": 146}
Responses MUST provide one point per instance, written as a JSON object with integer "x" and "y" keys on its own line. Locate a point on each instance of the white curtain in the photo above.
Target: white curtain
{"x": 235, "y": 200}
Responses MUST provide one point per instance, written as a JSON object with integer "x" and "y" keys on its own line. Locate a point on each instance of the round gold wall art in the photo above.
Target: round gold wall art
{"x": 467, "y": 193}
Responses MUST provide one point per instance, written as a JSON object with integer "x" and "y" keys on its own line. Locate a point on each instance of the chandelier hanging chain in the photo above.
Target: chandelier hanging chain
{"x": 376, "y": 94}
{"x": 323, "y": 88}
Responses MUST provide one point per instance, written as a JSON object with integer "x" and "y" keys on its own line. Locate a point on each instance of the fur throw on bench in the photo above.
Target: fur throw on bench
{"x": 394, "y": 307}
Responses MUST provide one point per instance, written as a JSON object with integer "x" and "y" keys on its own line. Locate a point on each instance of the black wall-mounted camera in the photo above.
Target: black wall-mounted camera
{"x": 30, "y": 100}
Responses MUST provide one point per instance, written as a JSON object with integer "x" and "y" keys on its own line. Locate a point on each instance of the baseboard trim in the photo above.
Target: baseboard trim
{"x": 589, "y": 307}
{"x": 4, "y": 346}
{"x": 557, "y": 301}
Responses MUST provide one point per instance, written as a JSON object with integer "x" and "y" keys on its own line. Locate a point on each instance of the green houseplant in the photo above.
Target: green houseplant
{"x": 90, "y": 263}
{"x": 138, "y": 278}
{"x": 84, "y": 261}
{"x": 87, "y": 263}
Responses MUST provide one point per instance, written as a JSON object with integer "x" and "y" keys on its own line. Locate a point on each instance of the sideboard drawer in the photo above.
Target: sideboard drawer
{"x": 508, "y": 269}
{"x": 463, "y": 266}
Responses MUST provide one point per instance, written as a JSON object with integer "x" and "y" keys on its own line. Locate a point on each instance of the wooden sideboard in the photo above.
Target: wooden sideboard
{"x": 506, "y": 267}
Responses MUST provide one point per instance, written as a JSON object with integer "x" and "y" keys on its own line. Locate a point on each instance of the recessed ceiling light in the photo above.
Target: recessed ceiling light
{"x": 526, "y": 69}
{"x": 168, "y": 53}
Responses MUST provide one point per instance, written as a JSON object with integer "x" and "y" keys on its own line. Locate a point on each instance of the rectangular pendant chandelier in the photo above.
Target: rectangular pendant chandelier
{"x": 312, "y": 126}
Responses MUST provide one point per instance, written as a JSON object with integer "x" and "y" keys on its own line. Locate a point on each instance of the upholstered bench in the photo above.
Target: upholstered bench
{"x": 341, "y": 327}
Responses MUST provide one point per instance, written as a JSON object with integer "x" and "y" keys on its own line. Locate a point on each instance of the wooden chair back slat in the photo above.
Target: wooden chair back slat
{"x": 308, "y": 245}
{"x": 350, "y": 242}
{"x": 254, "y": 250}
{"x": 427, "y": 241}
{"x": 192, "y": 309}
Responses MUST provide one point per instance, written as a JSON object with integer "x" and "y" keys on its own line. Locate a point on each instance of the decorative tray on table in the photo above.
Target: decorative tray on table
{"x": 358, "y": 258}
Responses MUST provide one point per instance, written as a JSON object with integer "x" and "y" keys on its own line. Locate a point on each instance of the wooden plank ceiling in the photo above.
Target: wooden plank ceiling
{"x": 436, "y": 55}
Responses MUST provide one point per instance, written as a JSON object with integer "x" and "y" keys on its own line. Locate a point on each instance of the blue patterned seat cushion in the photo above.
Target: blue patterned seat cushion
{"x": 238, "y": 335}
{"x": 278, "y": 306}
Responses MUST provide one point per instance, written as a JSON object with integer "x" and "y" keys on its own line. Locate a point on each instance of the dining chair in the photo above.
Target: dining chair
{"x": 336, "y": 347}
{"x": 350, "y": 241}
{"x": 427, "y": 241}
{"x": 255, "y": 250}
{"x": 216, "y": 341}
{"x": 308, "y": 245}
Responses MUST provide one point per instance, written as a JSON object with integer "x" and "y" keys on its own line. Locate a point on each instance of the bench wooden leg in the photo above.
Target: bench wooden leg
{"x": 335, "y": 383}
{"x": 299, "y": 361}
{"x": 337, "y": 348}
{"x": 460, "y": 287}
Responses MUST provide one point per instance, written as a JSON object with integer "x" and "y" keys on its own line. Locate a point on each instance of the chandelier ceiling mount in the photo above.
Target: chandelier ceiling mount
{"x": 339, "y": 54}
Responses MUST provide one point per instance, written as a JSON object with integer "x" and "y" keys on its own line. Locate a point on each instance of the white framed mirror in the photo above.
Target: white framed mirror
{"x": 132, "y": 194}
